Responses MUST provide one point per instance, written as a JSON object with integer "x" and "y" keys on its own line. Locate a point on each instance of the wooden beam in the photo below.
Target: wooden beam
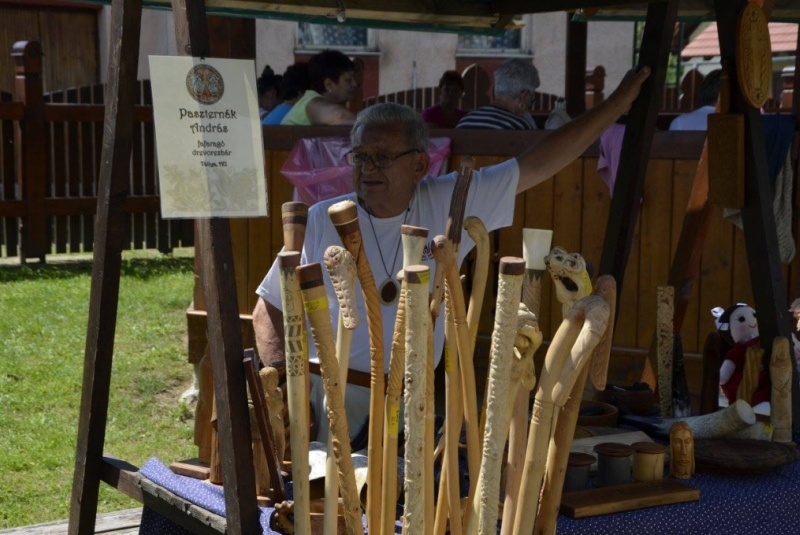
{"x": 760, "y": 234}
{"x": 575, "y": 60}
{"x": 225, "y": 344}
{"x": 636, "y": 143}
{"x": 109, "y": 233}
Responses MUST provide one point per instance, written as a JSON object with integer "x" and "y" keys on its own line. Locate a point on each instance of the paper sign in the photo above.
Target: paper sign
{"x": 208, "y": 137}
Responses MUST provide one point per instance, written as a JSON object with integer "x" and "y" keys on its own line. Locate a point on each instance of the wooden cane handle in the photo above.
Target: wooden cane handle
{"x": 780, "y": 369}
{"x": 477, "y": 231}
{"x": 458, "y": 201}
{"x": 484, "y": 507}
{"x": 315, "y": 302}
{"x": 417, "y": 279}
{"x": 296, "y": 380}
{"x": 342, "y": 269}
{"x": 294, "y": 217}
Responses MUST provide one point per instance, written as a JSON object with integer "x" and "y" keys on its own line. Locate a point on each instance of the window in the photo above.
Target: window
{"x": 331, "y": 36}
{"x": 509, "y": 40}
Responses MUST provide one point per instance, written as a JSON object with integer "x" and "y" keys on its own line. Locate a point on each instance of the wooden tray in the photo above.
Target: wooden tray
{"x": 741, "y": 456}
{"x": 605, "y": 500}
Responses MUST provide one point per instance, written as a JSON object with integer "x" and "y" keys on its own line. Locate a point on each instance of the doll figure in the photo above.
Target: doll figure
{"x": 738, "y": 327}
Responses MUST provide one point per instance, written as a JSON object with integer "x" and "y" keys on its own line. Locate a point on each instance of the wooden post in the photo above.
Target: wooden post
{"x": 31, "y": 158}
{"x": 761, "y": 238}
{"x": 656, "y": 42}
{"x": 224, "y": 336}
{"x": 109, "y": 233}
{"x": 575, "y": 76}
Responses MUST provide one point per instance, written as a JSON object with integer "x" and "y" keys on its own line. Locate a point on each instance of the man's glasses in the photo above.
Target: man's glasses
{"x": 379, "y": 159}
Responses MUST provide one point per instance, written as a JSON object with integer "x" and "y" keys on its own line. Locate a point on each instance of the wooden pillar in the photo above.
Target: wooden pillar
{"x": 224, "y": 336}
{"x": 760, "y": 234}
{"x": 575, "y": 79}
{"x": 31, "y": 158}
{"x": 109, "y": 233}
{"x": 656, "y": 42}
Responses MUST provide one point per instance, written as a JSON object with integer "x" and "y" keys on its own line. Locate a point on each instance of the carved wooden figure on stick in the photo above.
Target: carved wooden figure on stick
{"x": 681, "y": 447}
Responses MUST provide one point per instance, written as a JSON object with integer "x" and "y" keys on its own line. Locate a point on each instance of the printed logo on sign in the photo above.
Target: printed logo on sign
{"x": 205, "y": 84}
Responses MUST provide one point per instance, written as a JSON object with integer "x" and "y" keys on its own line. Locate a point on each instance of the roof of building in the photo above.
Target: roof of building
{"x": 783, "y": 37}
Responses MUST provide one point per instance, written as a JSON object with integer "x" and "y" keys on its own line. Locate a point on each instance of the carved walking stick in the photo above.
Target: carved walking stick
{"x": 417, "y": 279}
{"x": 342, "y": 269}
{"x": 780, "y": 371}
{"x": 296, "y": 385}
{"x": 270, "y": 378}
{"x": 483, "y": 519}
{"x": 262, "y": 420}
{"x": 344, "y": 215}
{"x": 413, "y": 239}
{"x": 294, "y": 216}
{"x": 315, "y": 302}
{"x": 535, "y": 246}
{"x": 558, "y": 452}
{"x": 477, "y": 231}
{"x": 563, "y": 363}
{"x": 665, "y": 345}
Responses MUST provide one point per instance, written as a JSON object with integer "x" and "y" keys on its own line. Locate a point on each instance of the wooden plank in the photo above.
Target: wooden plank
{"x": 30, "y": 135}
{"x": 137, "y": 175}
{"x": 259, "y": 239}
{"x": 70, "y": 42}
{"x": 74, "y": 175}
{"x": 280, "y": 191}
{"x": 654, "y": 244}
{"x": 567, "y": 221}
{"x": 575, "y": 61}
{"x": 149, "y": 167}
{"x": 684, "y": 173}
{"x": 654, "y": 52}
{"x": 104, "y": 294}
{"x": 10, "y": 225}
{"x": 715, "y": 271}
{"x": 741, "y": 289}
{"x": 219, "y": 288}
{"x": 240, "y": 241}
{"x": 596, "y": 204}
{"x": 606, "y": 500}
{"x": 57, "y": 174}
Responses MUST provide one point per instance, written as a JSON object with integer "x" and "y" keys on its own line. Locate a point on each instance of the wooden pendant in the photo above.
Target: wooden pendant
{"x": 389, "y": 291}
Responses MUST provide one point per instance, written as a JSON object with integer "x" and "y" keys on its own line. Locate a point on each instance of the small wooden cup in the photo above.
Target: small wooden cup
{"x": 648, "y": 461}
{"x": 613, "y": 463}
{"x": 577, "y": 476}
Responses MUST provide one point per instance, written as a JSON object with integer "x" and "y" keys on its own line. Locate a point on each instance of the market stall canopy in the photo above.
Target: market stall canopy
{"x": 478, "y": 16}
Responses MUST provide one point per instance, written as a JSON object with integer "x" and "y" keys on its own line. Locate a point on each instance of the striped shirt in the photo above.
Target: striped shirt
{"x": 495, "y": 118}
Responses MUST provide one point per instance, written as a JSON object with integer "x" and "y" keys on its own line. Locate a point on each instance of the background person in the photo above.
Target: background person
{"x": 447, "y": 112}
{"x": 294, "y": 84}
{"x": 331, "y": 85}
{"x": 698, "y": 119}
{"x": 515, "y": 82}
{"x": 267, "y": 88}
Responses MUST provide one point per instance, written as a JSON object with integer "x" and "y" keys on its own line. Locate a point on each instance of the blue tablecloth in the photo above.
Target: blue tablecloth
{"x": 766, "y": 503}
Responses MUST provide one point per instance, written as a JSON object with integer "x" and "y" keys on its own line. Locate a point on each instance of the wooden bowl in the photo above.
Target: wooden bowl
{"x": 597, "y": 413}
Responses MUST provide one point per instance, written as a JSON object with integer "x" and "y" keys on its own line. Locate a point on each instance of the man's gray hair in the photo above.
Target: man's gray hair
{"x": 391, "y": 114}
{"x": 513, "y": 76}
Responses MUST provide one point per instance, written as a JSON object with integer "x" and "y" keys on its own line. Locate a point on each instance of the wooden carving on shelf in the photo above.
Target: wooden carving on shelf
{"x": 753, "y": 55}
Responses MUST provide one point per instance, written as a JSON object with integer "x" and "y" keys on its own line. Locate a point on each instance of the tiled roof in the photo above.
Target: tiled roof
{"x": 783, "y": 37}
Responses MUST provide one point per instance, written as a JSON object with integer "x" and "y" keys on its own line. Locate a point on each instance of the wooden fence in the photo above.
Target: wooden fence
{"x": 50, "y": 150}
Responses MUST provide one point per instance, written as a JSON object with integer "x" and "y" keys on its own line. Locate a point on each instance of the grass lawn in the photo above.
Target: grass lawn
{"x": 43, "y": 318}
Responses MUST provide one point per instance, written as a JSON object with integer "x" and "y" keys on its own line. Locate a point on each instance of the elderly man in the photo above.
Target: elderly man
{"x": 389, "y": 164}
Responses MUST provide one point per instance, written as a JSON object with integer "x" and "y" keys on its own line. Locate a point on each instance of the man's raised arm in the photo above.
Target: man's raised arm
{"x": 268, "y": 328}
{"x": 563, "y": 146}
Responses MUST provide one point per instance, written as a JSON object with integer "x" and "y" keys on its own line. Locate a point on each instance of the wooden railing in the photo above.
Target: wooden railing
{"x": 50, "y": 150}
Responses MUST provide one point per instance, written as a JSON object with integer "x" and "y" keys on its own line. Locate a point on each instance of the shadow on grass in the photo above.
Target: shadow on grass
{"x": 139, "y": 268}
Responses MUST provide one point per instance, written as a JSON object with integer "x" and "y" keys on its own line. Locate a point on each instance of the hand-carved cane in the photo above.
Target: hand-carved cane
{"x": 315, "y": 302}
{"x": 483, "y": 519}
{"x": 294, "y": 216}
{"x": 417, "y": 279}
{"x": 413, "y": 239}
{"x": 563, "y": 363}
{"x": 344, "y": 215}
{"x": 665, "y": 345}
{"x": 477, "y": 231}
{"x": 780, "y": 369}
{"x": 296, "y": 385}
{"x": 264, "y": 429}
{"x": 342, "y": 269}
{"x": 558, "y": 452}
{"x": 535, "y": 245}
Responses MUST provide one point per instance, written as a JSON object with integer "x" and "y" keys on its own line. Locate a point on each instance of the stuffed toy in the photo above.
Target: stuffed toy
{"x": 737, "y": 325}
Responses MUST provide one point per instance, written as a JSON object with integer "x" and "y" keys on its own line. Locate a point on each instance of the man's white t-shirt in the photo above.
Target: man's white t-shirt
{"x": 491, "y": 198}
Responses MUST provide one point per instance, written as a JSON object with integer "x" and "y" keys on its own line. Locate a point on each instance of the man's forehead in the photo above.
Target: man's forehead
{"x": 379, "y": 136}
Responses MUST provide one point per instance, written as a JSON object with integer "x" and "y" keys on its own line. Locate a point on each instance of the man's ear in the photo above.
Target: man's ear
{"x": 328, "y": 83}
{"x": 421, "y": 164}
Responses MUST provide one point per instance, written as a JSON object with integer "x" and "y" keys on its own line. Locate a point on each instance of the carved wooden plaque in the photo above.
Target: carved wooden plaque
{"x": 753, "y": 55}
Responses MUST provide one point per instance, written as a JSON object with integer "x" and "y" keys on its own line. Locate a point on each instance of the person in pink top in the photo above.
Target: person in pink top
{"x": 448, "y": 112}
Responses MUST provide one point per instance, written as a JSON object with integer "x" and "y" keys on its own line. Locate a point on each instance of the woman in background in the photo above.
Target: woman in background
{"x": 294, "y": 84}
{"x": 448, "y": 112}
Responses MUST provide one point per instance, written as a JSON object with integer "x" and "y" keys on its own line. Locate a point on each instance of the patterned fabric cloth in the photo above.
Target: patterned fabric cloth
{"x": 494, "y": 118}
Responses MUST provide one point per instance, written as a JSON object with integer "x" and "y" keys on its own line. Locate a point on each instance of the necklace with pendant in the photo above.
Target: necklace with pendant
{"x": 389, "y": 289}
